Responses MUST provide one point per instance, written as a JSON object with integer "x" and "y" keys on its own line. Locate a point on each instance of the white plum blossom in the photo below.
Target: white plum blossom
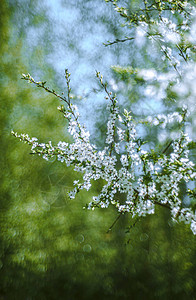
{"x": 124, "y": 160}
{"x": 193, "y": 226}
{"x": 121, "y": 133}
{"x": 117, "y": 147}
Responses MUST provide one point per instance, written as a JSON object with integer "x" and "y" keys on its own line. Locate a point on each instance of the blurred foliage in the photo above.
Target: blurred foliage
{"x": 50, "y": 248}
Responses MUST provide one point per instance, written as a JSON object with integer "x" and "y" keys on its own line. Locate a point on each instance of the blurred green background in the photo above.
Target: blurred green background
{"x": 50, "y": 248}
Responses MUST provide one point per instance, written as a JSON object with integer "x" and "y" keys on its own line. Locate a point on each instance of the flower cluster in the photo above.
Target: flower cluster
{"x": 162, "y": 120}
{"x": 145, "y": 178}
{"x": 161, "y": 22}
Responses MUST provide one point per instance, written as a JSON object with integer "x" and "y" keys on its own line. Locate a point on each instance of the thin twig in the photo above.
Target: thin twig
{"x": 118, "y": 41}
{"x": 114, "y": 223}
{"x": 167, "y": 147}
{"x": 133, "y": 225}
{"x": 162, "y": 204}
